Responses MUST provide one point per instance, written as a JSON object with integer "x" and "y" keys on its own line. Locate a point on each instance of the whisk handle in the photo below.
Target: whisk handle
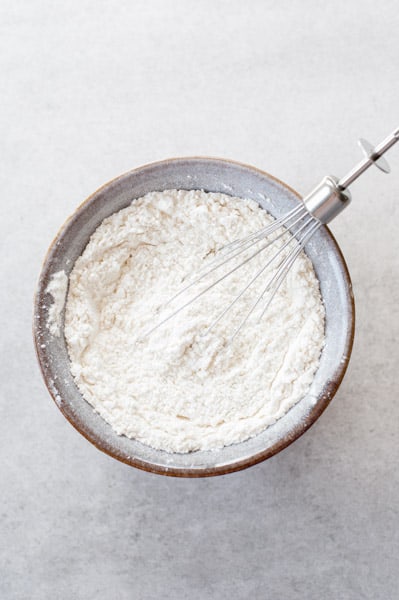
{"x": 372, "y": 156}
{"x": 331, "y": 196}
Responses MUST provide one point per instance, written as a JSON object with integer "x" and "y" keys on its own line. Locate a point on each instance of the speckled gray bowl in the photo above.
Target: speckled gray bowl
{"x": 212, "y": 175}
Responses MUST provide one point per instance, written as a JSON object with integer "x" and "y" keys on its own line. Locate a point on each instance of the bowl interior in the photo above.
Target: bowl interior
{"x": 213, "y": 175}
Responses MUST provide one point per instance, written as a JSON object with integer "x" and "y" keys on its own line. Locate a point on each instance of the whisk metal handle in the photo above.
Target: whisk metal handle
{"x": 372, "y": 157}
{"x": 331, "y": 196}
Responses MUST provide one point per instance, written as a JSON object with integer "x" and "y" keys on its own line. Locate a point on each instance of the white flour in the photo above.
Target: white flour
{"x": 57, "y": 288}
{"x": 176, "y": 390}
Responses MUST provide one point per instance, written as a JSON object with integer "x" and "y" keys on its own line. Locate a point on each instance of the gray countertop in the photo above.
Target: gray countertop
{"x": 92, "y": 89}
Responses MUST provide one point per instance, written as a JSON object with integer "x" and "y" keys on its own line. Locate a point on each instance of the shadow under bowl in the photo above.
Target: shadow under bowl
{"x": 211, "y": 175}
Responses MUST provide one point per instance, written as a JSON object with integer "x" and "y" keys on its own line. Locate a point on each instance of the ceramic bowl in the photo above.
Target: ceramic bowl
{"x": 213, "y": 175}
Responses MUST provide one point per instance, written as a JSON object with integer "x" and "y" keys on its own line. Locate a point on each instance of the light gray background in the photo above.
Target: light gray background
{"x": 91, "y": 89}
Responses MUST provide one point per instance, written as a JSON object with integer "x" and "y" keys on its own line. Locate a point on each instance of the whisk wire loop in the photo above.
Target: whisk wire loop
{"x": 259, "y": 273}
{"x": 282, "y": 270}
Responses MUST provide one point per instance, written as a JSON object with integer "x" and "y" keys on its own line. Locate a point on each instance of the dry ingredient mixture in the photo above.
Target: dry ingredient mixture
{"x": 175, "y": 389}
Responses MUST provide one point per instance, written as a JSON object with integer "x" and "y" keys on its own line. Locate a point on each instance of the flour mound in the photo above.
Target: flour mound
{"x": 175, "y": 389}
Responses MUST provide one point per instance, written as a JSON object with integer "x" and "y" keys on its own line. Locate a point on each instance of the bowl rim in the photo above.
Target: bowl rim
{"x": 295, "y": 432}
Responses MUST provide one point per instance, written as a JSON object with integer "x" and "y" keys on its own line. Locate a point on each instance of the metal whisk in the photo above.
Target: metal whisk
{"x": 318, "y": 208}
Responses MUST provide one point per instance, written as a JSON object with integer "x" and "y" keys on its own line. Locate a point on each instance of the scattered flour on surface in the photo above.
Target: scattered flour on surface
{"x": 177, "y": 390}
